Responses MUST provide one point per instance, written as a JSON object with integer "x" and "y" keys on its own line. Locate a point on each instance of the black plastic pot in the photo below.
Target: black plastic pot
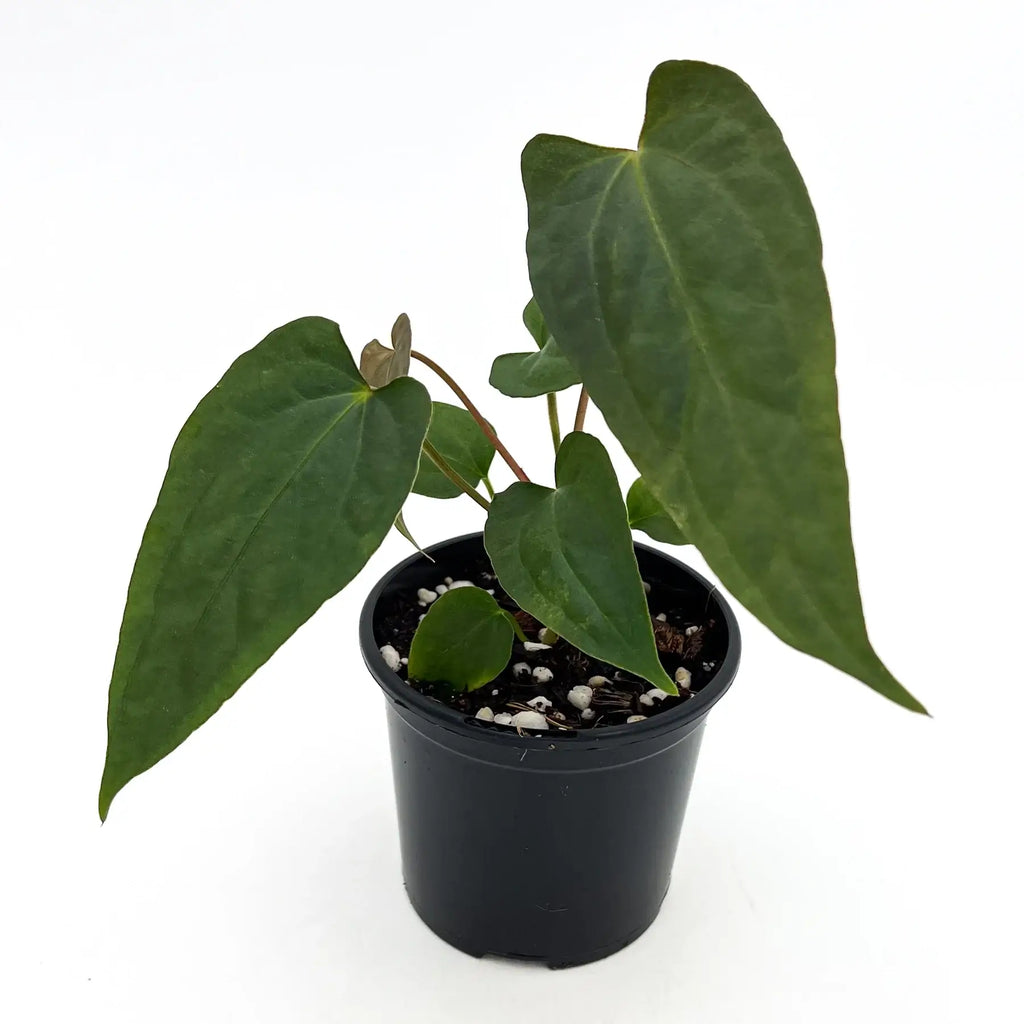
{"x": 555, "y": 848}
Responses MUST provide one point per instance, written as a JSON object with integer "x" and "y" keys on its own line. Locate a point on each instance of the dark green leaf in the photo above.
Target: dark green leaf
{"x": 458, "y": 437}
{"x": 284, "y": 480}
{"x": 566, "y": 556}
{"x": 530, "y": 374}
{"x": 684, "y": 283}
{"x": 465, "y": 640}
{"x": 647, "y": 513}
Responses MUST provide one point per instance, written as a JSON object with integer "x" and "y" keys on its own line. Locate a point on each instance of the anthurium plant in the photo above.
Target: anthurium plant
{"x": 679, "y": 287}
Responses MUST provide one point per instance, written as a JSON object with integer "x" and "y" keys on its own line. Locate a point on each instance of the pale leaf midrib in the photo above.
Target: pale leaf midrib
{"x": 128, "y": 676}
{"x": 285, "y": 487}
{"x": 748, "y": 456}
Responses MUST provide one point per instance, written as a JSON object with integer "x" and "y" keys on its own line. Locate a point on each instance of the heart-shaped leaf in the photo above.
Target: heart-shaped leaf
{"x": 647, "y": 513}
{"x": 566, "y": 556}
{"x": 530, "y": 374}
{"x": 459, "y": 439}
{"x": 684, "y": 283}
{"x": 464, "y": 640}
{"x": 379, "y": 364}
{"x": 281, "y": 484}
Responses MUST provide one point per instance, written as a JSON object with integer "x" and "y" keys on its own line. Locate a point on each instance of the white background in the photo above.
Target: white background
{"x": 179, "y": 178}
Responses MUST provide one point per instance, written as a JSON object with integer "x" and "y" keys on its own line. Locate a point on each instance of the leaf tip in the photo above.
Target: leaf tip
{"x": 111, "y": 783}
{"x": 667, "y": 683}
{"x": 401, "y": 333}
{"x": 917, "y": 707}
{"x": 105, "y": 799}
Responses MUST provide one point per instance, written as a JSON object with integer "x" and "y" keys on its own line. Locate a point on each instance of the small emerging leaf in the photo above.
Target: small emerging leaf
{"x": 379, "y": 364}
{"x": 464, "y": 640}
{"x": 459, "y": 439}
{"x": 566, "y": 556}
{"x": 531, "y": 374}
{"x": 647, "y": 513}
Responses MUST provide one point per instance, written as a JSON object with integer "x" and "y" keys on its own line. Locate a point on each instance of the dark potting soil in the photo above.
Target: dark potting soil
{"x": 688, "y": 638}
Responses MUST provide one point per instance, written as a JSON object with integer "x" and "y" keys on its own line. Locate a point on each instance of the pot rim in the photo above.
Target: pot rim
{"x": 406, "y": 695}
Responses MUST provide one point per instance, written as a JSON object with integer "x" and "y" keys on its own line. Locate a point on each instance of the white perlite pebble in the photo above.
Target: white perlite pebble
{"x": 708, "y": 666}
{"x": 485, "y": 715}
{"x": 683, "y": 678}
{"x": 529, "y": 720}
{"x": 521, "y": 670}
{"x": 587, "y": 714}
{"x": 690, "y": 630}
{"x": 460, "y": 583}
{"x": 448, "y": 580}
{"x": 529, "y": 645}
{"x": 636, "y": 718}
{"x": 441, "y": 589}
{"x": 539, "y": 703}
{"x": 546, "y": 635}
{"x": 661, "y": 617}
{"x": 580, "y": 697}
{"x": 595, "y": 681}
{"x": 502, "y": 718}
{"x": 423, "y": 616}
{"x": 426, "y": 596}
{"x": 647, "y": 586}
{"x": 405, "y": 661}
{"x": 391, "y": 657}
{"x": 542, "y": 674}
{"x": 648, "y": 698}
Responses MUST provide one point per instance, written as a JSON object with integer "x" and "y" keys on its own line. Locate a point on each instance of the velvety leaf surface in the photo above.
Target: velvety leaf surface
{"x": 565, "y": 555}
{"x": 647, "y": 513}
{"x": 465, "y": 640}
{"x": 282, "y": 482}
{"x": 459, "y": 439}
{"x": 530, "y": 374}
{"x": 684, "y": 283}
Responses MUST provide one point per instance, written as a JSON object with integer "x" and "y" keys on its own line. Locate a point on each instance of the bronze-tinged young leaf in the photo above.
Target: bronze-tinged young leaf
{"x": 464, "y": 640}
{"x": 281, "y": 484}
{"x": 380, "y": 365}
{"x": 684, "y": 283}
{"x": 648, "y": 514}
{"x": 459, "y": 439}
{"x": 566, "y": 556}
{"x": 531, "y": 374}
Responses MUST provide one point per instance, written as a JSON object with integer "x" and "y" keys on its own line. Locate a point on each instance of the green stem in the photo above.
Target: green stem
{"x": 439, "y": 460}
{"x": 489, "y": 486}
{"x": 475, "y": 413}
{"x": 556, "y": 433}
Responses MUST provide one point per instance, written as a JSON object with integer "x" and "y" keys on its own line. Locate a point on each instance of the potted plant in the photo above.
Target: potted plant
{"x": 547, "y": 682}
